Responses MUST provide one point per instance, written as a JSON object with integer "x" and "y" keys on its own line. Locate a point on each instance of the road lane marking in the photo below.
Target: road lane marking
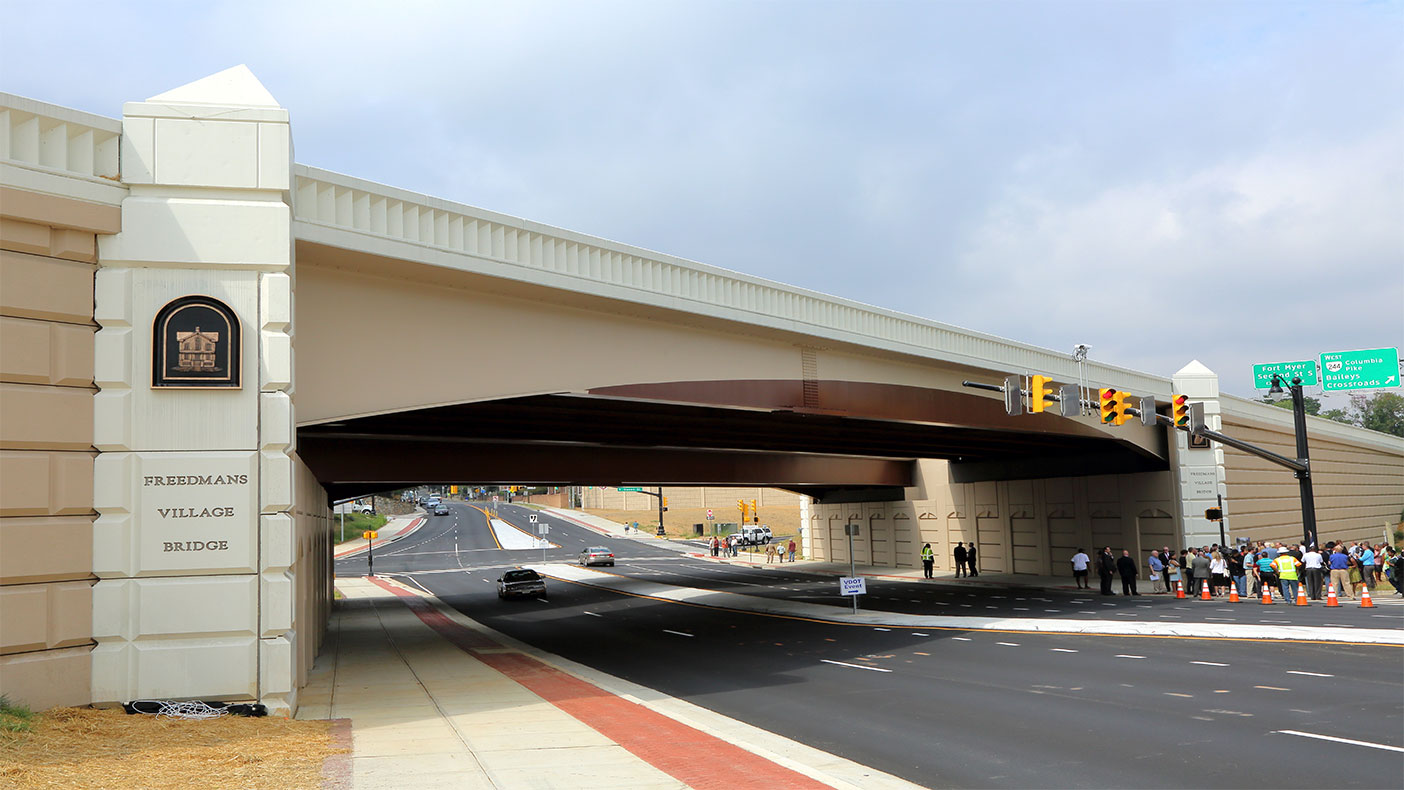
{"x": 961, "y": 638}
{"x": 1350, "y": 741}
{"x": 919, "y": 653}
{"x": 679, "y": 633}
{"x": 1177, "y": 694}
{"x": 1123, "y": 655}
{"x": 543, "y": 600}
{"x": 1271, "y": 688}
{"x": 882, "y": 629}
{"x": 592, "y": 614}
{"x": 1209, "y": 663}
{"x": 1008, "y": 644}
{"x": 916, "y": 633}
{"x": 855, "y": 666}
{"x": 1021, "y": 608}
{"x": 1061, "y": 650}
{"x": 1309, "y": 674}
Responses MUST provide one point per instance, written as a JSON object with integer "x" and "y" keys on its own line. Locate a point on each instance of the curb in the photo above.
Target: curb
{"x": 414, "y": 526}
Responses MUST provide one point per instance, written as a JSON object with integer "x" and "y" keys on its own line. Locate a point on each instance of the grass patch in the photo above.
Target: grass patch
{"x": 15, "y": 717}
{"x": 81, "y": 747}
{"x": 356, "y": 523}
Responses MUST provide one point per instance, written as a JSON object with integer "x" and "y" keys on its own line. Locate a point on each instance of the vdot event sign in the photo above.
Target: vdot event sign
{"x": 1371, "y": 368}
{"x": 1306, "y": 369}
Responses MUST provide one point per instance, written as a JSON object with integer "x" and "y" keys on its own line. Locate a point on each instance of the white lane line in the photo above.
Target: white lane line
{"x": 1225, "y": 619}
{"x": 1021, "y": 608}
{"x": 1309, "y": 674}
{"x": 1061, "y": 650}
{"x": 854, "y": 666}
{"x": 679, "y": 633}
{"x": 1008, "y": 644}
{"x": 543, "y": 600}
{"x": 882, "y": 629}
{"x": 1177, "y": 694}
{"x": 1209, "y": 663}
{"x": 1366, "y": 744}
{"x": 1271, "y": 688}
{"x": 915, "y": 633}
{"x": 1094, "y": 613}
{"x": 592, "y": 614}
{"x": 961, "y": 638}
{"x": 1123, "y": 655}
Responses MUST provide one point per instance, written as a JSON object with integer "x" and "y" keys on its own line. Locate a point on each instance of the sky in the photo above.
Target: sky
{"x": 1162, "y": 181}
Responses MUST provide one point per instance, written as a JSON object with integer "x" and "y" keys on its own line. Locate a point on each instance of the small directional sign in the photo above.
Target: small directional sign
{"x": 629, "y": 488}
{"x": 1262, "y": 374}
{"x": 532, "y": 518}
{"x": 853, "y": 585}
{"x": 1370, "y": 368}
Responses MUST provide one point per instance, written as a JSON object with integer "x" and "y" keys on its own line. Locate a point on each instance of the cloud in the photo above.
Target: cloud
{"x": 1163, "y": 180}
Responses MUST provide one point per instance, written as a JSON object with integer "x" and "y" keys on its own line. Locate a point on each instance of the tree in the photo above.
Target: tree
{"x": 1312, "y": 405}
{"x": 1383, "y": 412}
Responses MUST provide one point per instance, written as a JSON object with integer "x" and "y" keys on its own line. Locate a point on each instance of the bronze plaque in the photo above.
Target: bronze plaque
{"x": 196, "y": 344}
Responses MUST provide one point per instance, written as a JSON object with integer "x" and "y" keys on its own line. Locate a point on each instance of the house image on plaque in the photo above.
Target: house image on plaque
{"x": 196, "y": 350}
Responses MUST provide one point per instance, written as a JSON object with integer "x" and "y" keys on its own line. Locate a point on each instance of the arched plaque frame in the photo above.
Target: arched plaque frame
{"x": 195, "y": 345}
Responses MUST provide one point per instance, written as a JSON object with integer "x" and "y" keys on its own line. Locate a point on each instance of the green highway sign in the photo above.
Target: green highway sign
{"x": 1370, "y": 368}
{"x": 633, "y": 488}
{"x": 1262, "y": 374}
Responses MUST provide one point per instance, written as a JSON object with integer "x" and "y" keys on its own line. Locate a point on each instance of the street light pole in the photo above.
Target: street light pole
{"x": 1303, "y": 475}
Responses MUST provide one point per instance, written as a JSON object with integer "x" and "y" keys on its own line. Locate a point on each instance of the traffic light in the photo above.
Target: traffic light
{"x": 743, "y": 507}
{"x": 1111, "y": 405}
{"x": 665, "y": 501}
{"x": 755, "y": 512}
{"x": 1114, "y": 406}
{"x": 1179, "y": 411}
{"x": 1040, "y": 393}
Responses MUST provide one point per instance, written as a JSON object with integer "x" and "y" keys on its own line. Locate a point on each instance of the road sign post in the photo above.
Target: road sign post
{"x": 850, "y": 530}
{"x": 1370, "y": 368}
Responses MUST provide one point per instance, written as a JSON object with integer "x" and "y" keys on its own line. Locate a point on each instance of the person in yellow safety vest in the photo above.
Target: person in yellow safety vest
{"x": 1286, "y": 566}
{"x": 928, "y": 559}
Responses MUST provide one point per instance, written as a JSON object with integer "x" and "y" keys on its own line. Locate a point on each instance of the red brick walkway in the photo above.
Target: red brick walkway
{"x": 686, "y": 753}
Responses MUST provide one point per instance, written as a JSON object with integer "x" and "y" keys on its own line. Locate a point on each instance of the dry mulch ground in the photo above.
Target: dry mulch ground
{"x": 82, "y": 747}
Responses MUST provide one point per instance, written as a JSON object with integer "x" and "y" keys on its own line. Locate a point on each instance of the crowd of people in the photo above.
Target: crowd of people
{"x": 730, "y": 546}
{"x": 1349, "y": 566}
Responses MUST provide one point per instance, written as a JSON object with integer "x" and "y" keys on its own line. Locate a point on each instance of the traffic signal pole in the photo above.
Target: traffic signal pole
{"x": 1116, "y": 404}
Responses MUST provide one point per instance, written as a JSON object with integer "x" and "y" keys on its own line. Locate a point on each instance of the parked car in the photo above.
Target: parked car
{"x": 521, "y": 582}
{"x": 441, "y": 509}
{"x": 360, "y": 508}
{"x": 597, "y": 555}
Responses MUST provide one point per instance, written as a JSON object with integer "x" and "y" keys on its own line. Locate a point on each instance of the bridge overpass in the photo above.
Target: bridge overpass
{"x": 591, "y": 362}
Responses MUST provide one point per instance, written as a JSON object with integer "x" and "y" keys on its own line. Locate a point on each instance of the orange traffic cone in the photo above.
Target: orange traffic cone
{"x": 1204, "y": 596}
{"x": 1365, "y": 602}
{"x": 1301, "y": 596}
{"x": 1233, "y": 593}
{"x": 1179, "y": 589}
{"x": 1331, "y": 599}
{"x": 1267, "y": 594}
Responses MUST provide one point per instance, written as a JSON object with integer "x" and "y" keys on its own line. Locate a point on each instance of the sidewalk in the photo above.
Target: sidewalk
{"x": 397, "y": 527}
{"x": 437, "y": 701}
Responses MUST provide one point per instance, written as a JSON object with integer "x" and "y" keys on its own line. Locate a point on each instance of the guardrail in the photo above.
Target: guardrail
{"x": 339, "y": 201}
{"x": 58, "y": 138}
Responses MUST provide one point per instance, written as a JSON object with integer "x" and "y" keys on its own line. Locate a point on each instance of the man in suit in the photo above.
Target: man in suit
{"x": 970, "y": 561}
{"x": 1126, "y": 566}
{"x": 960, "y": 554}
{"x": 1106, "y": 569}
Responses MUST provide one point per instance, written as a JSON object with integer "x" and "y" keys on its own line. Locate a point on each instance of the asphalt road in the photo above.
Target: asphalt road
{"x": 950, "y": 708}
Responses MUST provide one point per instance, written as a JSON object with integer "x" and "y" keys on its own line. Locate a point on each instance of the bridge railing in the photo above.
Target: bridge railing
{"x": 335, "y": 200}
{"x": 58, "y": 139}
